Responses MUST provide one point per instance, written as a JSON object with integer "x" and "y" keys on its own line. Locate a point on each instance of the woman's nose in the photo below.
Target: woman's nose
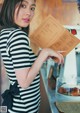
{"x": 28, "y": 11}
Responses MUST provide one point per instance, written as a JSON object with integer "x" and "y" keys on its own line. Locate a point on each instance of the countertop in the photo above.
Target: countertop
{"x": 50, "y": 93}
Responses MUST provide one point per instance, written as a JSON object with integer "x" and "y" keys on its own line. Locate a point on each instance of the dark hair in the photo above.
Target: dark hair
{"x": 7, "y": 14}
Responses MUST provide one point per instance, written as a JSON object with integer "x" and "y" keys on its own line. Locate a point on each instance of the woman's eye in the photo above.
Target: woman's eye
{"x": 33, "y": 8}
{"x": 23, "y": 6}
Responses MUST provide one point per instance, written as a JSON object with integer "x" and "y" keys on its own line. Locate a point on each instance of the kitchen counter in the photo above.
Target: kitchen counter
{"x": 50, "y": 93}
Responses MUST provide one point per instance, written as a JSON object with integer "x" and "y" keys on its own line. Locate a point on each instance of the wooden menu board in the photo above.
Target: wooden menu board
{"x": 53, "y": 35}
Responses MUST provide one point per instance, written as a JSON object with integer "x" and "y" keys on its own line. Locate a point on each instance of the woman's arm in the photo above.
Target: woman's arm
{"x": 25, "y": 76}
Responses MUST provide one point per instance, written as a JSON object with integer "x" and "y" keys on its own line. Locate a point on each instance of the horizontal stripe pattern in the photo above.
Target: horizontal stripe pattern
{"x": 16, "y": 53}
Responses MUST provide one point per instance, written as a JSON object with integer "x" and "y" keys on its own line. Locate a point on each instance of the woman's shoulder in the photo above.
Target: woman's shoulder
{"x": 13, "y": 30}
{"x": 17, "y": 34}
{"x": 17, "y": 31}
{"x": 14, "y": 34}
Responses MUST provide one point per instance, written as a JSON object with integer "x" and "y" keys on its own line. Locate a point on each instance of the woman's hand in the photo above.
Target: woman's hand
{"x": 59, "y": 59}
{"x": 56, "y": 56}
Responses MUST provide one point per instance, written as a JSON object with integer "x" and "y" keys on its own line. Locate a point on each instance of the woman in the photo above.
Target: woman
{"x": 21, "y": 64}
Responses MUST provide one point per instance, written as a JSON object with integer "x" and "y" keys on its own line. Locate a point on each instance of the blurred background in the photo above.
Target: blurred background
{"x": 67, "y": 12}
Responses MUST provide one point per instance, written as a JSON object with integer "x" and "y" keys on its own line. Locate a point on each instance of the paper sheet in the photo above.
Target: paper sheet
{"x": 53, "y": 35}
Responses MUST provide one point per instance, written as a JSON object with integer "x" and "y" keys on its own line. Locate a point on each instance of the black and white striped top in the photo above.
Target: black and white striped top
{"x": 16, "y": 53}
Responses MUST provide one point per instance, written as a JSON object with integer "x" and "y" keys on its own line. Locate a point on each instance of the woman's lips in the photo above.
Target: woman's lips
{"x": 26, "y": 20}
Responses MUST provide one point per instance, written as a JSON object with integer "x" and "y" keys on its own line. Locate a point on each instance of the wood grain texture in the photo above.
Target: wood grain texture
{"x": 65, "y": 12}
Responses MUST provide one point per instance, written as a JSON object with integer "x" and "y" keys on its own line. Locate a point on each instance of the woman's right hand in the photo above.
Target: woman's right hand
{"x": 56, "y": 56}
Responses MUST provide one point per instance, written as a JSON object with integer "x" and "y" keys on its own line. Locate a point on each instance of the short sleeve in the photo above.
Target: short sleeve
{"x": 19, "y": 50}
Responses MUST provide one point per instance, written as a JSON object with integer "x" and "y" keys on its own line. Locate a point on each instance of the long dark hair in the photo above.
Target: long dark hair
{"x": 7, "y": 14}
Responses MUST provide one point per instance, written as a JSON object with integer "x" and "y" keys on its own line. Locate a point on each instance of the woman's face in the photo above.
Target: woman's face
{"x": 24, "y": 15}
